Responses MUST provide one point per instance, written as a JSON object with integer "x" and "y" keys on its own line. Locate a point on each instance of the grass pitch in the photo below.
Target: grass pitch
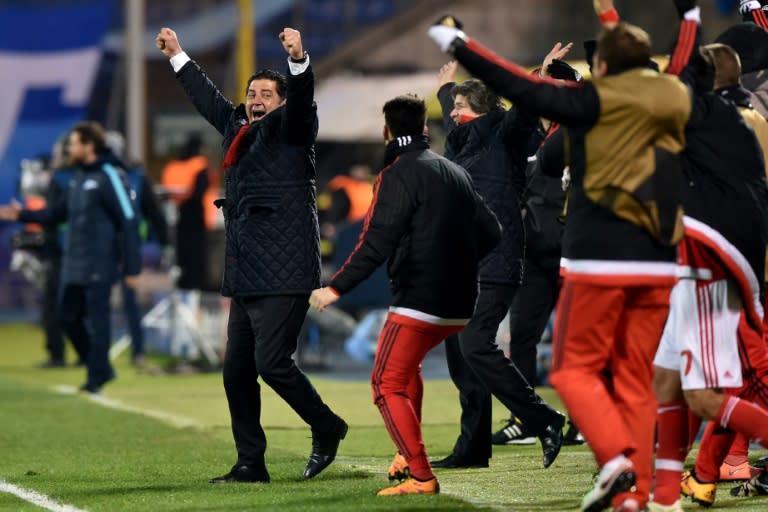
{"x": 153, "y": 442}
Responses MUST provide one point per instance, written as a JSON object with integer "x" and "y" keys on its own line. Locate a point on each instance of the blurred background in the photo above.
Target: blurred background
{"x": 62, "y": 61}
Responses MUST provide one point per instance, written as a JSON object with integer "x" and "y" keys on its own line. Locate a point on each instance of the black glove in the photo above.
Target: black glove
{"x": 561, "y": 70}
{"x": 683, "y": 6}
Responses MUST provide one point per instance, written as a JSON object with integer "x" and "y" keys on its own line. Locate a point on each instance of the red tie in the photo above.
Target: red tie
{"x": 231, "y": 157}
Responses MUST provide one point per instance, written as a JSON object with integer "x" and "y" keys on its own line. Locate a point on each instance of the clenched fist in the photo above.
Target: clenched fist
{"x": 291, "y": 40}
{"x": 167, "y": 42}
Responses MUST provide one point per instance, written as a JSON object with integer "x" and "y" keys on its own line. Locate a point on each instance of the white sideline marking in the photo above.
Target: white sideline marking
{"x": 175, "y": 421}
{"x": 35, "y": 498}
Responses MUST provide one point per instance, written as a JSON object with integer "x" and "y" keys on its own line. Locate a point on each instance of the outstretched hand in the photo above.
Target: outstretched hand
{"x": 10, "y": 211}
{"x": 321, "y": 298}
{"x": 167, "y": 42}
{"x": 602, "y": 6}
{"x": 291, "y": 40}
{"x": 447, "y": 73}
{"x": 559, "y": 51}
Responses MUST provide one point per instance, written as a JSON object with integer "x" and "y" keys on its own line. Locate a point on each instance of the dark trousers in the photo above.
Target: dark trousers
{"x": 530, "y": 312}
{"x": 85, "y": 317}
{"x": 262, "y": 335}
{"x": 481, "y": 366}
{"x": 54, "y": 337}
{"x": 133, "y": 319}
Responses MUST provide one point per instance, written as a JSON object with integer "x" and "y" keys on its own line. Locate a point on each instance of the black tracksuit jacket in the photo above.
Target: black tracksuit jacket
{"x": 431, "y": 226}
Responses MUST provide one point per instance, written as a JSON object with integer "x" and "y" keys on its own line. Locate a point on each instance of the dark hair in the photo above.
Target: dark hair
{"x": 624, "y": 47}
{"x": 281, "y": 83}
{"x": 405, "y": 115}
{"x": 727, "y": 64}
{"x": 91, "y": 132}
{"x": 703, "y": 70}
{"x": 480, "y": 98}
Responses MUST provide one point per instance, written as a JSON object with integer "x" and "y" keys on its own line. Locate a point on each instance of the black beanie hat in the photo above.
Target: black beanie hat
{"x": 750, "y": 42}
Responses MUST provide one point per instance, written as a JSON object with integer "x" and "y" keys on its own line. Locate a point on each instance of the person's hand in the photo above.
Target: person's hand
{"x": 557, "y": 52}
{"x": 606, "y": 13}
{"x": 322, "y": 298}
{"x": 602, "y": 6}
{"x": 167, "y": 42}
{"x": 131, "y": 281}
{"x": 10, "y": 211}
{"x": 447, "y": 73}
{"x": 291, "y": 40}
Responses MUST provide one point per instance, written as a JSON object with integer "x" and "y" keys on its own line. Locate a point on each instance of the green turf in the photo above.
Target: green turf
{"x": 101, "y": 459}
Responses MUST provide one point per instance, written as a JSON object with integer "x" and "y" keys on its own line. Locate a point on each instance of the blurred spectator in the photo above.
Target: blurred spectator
{"x": 346, "y": 198}
{"x": 186, "y": 180}
{"x": 102, "y": 245}
{"x": 150, "y": 216}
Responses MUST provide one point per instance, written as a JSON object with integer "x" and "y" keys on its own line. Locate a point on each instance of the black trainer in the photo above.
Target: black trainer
{"x": 324, "y": 447}
{"x": 513, "y": 433}
{"x": 572, "y": 436}
{"x": 242, "y": 474}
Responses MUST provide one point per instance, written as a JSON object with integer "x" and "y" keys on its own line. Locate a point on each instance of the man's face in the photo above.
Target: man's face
{"x": 461, "y": 109}
{"x": 261, "y": 99}
{"x": 76, "y": 150}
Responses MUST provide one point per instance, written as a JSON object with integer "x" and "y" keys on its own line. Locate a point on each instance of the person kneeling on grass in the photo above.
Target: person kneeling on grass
{"x": 433, "y": 228}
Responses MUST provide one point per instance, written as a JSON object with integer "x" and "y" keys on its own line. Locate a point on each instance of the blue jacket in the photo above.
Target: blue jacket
{"x": 103, "y": 238}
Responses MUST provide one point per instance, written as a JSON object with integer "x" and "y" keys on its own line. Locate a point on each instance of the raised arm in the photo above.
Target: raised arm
{"x": 300, "y": 123}
{"x": 205, "y": 96}
{"x": 385, "y": 223}
{"x": 685, "y": 56}
{"x": 570, "y": 104}
{"x": 446, "y": 79}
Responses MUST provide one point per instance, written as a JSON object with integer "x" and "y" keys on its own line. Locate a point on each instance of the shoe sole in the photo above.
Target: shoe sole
{"x": 521, "y": 442}
{"x": 624, "y": 482}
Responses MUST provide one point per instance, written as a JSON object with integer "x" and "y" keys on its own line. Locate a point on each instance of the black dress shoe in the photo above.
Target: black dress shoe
{"x": 324, "y": 447}
{"x": 552, "y": 440}
{"x": 242, "y": 474}
{"x": 458, "y": 461}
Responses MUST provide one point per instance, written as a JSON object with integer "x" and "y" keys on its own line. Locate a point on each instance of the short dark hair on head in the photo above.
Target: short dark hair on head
{"x": 405, "y": 115}
{"x": 480, "y": 98}
{"x": 624, "y": 47}
{"x": 727, "y": 65}
{"x": 91, "y": 132}
{"x": 281, "y": 83}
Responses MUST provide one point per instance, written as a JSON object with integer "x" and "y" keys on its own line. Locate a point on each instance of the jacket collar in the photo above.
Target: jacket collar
{"x": 737, "y": 94}
{"x": 404, "y": 144}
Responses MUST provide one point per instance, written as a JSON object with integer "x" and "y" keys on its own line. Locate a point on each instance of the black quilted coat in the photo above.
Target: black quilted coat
{"x": 493, "y": 149}
{"x": 270, "y": 213}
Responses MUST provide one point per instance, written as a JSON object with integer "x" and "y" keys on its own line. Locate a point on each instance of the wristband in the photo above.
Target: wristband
{"x": 611, "y": 16}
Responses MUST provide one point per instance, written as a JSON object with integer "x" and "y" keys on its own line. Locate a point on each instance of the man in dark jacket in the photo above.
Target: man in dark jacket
{"x": 491, "y": 144}
{"x": 102, "y": 246}
{"x": 433, "y": 228}
{"x": 272, "y": 246}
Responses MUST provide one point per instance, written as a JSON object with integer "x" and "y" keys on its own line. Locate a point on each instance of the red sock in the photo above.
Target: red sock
{"x": 694, "y": 425}
{"x": 745, "y": 418}
{"x": 739, "y": 452}
{"x": 672, "y": 421}
{"x": 712, "y": 451}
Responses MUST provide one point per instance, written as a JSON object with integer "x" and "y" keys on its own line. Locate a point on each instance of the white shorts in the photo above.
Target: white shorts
{"x": 700, "y": 337}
